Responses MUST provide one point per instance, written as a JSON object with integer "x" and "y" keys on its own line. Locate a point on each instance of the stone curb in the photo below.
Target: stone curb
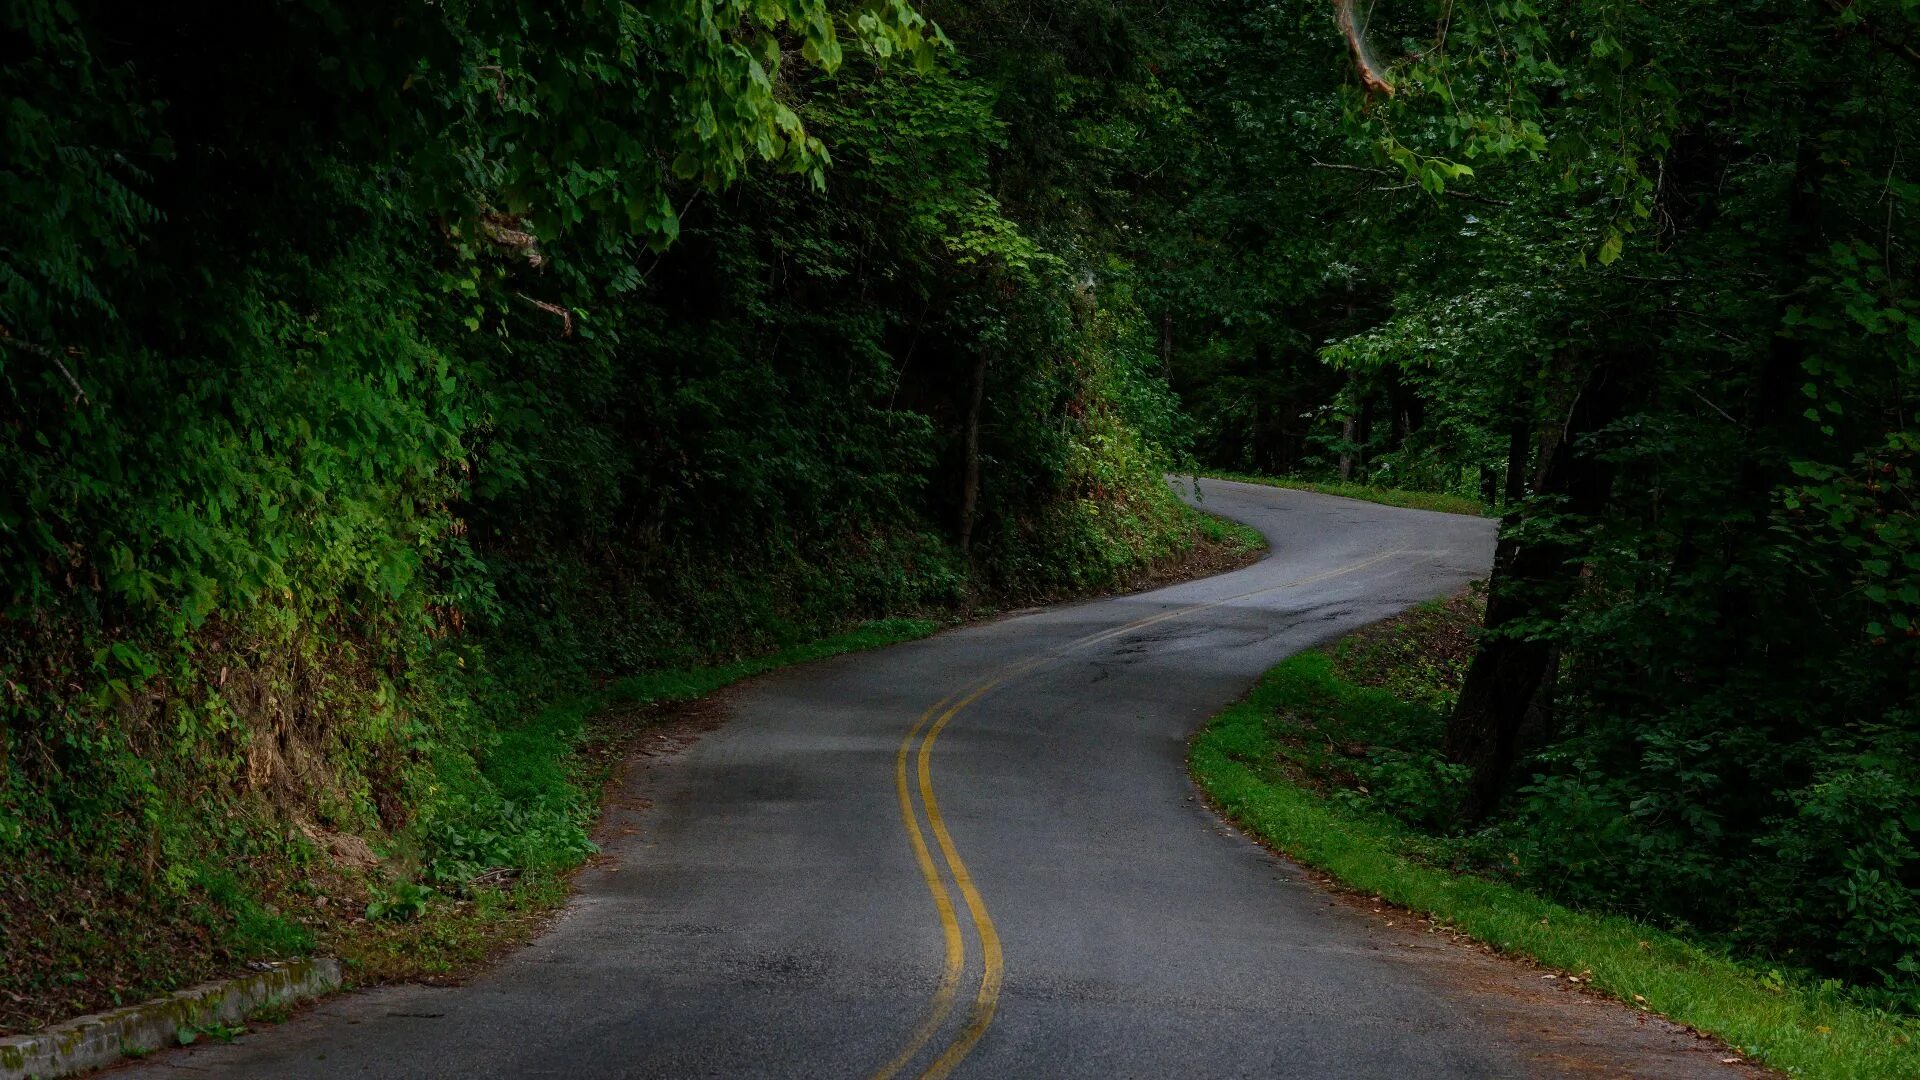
{"x": 102, "y": 1039}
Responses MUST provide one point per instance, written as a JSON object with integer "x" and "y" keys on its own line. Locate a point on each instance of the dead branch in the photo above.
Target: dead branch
{"x": 28, "y": 347}
{"x": 507, "y": 232}
{"x": 499, "y": 82}
{"x": 566, "y": 317}
{"x": 1371, "y": 75}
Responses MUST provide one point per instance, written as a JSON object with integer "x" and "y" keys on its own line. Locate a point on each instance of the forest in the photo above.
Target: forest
{"x": 407, "y": 368}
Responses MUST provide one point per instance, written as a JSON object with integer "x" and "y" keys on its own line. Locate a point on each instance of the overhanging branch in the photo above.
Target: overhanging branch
{"x": 7, "y": 339}
{"x": 1470, "y": 196}
{"x": 1371, "y": 75}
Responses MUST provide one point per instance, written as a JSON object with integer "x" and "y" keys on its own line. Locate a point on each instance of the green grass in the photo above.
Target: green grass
{"x": 531, "y": 759}
{"x": 1413, "y": 500}
{"x": 1805, "y": 1031}
{"x": 1238, "y": 538}
{"x": 550, "y": 769}
{"x": 530, "y": 804}
{"x": 685, "y": 684}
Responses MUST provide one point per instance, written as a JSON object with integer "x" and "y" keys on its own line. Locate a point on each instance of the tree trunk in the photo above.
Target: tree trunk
{"x": 1507, "y": 692}
{"x": 1517, "y": 437}
{"x": 970, "y": 481}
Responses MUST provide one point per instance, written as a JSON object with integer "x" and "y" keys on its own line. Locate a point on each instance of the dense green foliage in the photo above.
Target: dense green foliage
{"x": 411, "y": 365}
{"x": 1646, "y": 274}
{"x": 369, "y": 384}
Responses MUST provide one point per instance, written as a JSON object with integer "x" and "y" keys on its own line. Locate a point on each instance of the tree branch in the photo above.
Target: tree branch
{"x": 1470, "y": 196}
{"x": 28, "y": 347}
{"x": 1350, "y": 28}
{"x": 566, "y": 317}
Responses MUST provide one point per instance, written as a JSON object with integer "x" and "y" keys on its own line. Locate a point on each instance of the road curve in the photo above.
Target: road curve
{"x": 980, "y": 855}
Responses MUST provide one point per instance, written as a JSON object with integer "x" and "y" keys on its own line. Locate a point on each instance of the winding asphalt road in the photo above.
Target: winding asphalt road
{"x": 980, "y": 854}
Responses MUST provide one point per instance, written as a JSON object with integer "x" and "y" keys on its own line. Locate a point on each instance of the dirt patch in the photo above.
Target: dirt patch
{"x": 1206, "y": 558}
{"x": 346, "y": 849}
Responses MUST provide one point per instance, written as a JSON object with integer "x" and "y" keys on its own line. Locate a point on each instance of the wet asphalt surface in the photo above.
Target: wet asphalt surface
{"x": 761, "y": 912}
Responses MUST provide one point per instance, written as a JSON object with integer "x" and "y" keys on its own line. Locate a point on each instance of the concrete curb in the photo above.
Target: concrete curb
{"x": 102, "y": 1039}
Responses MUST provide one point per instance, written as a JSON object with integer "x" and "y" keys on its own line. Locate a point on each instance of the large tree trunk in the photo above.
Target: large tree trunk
{"x": 1507, "y": 692}
{"x": 1518, "y": 438}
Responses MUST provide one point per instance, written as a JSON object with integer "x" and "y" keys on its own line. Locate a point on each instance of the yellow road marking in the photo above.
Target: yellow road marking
{"x": 988, "y": 998}
{"x": 986, "y": 1002}
{"x": 943, "y": 903}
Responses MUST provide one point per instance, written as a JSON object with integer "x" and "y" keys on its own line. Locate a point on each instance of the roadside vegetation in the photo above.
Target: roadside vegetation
{"x": 1336, "y": 760}
{"x": 445, "y": 918}
{"x": 1646, "y": 279}
{"x": 1441, "y": 501}
{"x": 371, "y": 395}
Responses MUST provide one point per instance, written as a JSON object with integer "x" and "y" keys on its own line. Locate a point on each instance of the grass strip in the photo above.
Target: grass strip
{"x": 1239, "y": 538}
{"x": 1412, "y": 500}
{"x": 1803, "y": 1031}
{"x": 685, "y": 684}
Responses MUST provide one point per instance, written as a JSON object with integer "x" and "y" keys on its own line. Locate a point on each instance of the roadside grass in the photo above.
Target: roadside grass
{"x": 1309, "y": 760}
{"x": 1237, "y": 538}
{"x": 685, "y": 684}
{"x": 1413, "y": 500}
{"x": 556, "y": 764}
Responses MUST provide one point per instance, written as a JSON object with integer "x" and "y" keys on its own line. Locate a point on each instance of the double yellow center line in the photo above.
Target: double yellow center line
{"x": 926, "y": 731}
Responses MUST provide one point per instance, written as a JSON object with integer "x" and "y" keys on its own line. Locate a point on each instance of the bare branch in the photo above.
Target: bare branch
{"x": 508, "y": 232}
{"x": 28, "y": 347}
{"x": 1371, "y": 75}
{"x": 566, "y": 317}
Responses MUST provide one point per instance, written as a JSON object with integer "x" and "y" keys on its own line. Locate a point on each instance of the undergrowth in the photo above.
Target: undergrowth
{"x": 441, "y": 826}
